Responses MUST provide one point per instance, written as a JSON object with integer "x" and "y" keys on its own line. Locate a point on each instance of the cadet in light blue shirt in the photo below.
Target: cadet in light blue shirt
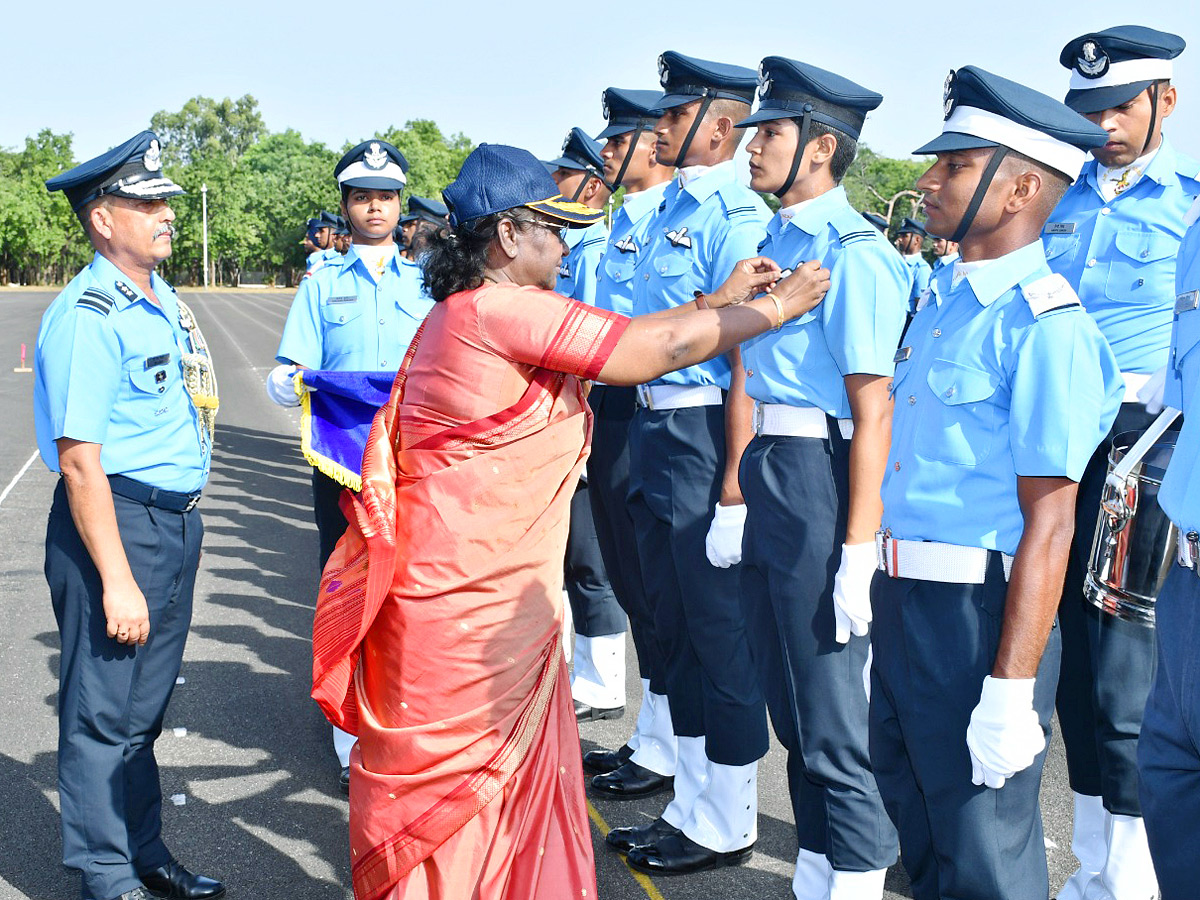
{"x": 1002, "y": 391}
{"x": 909, "y": 239}
{"x": 1168, "y": 762}
{"x": 811, "y": 492}
{"x": 1114, "y": 237}
{"x": 579, "y": 174}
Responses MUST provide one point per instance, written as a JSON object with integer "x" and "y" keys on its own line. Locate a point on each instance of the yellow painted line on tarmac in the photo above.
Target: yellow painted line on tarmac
{"x": 643, "y": 880}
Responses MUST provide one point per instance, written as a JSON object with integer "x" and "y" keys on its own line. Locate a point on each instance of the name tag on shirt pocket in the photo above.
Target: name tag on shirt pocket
{"x": 1186, "y": 336}
{"x": 348, "y": 298}
{"x": 1059, "y": 228}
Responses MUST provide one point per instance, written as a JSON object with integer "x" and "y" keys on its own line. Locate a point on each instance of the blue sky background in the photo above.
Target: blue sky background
{"x": 519, "y": 73}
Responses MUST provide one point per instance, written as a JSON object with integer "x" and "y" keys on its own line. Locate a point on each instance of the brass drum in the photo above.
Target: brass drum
{"x": 1135, "y": 543}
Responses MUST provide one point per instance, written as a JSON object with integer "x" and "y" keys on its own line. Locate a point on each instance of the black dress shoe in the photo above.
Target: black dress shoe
{"x": 630, "y": 782}
{"x": 676, "y": 854}
{"x": 175, "y": 882}
{"x": 585, "y": 713}
{"x": 344, "y": 780}
{"x": 601, "y": 762}
{"x": 646, "y": 836}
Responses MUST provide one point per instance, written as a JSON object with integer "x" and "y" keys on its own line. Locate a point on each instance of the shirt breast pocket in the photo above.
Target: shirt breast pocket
{"x": 149, "y": 381}
{"x": 674, "y": 264}
{"x": 1140, "y": 271}
{"x": 961, "y": 426}
{"x": 619, "y": 270}
{"x": 1060, "y": 250}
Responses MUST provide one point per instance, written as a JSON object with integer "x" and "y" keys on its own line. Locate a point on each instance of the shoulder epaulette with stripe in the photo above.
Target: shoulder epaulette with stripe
{"x": 855, "y": 236}
{"x": 96, "y": 300}
{"x": 1048, "y": 294}
{"x": 593, "y": 241}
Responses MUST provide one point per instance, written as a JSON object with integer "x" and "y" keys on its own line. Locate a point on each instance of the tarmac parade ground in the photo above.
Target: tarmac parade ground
{"x": 247, "y": 761}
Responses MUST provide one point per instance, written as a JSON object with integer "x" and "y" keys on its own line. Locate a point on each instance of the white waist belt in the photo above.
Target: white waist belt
{"x": 932, "y": 561}
{"x": 796, "y": 421}
{"x": 1134, "y": 382}
{"x": 678, "y": 396}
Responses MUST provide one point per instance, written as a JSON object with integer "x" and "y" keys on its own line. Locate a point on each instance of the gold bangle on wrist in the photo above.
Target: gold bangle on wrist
{"x": 778, "y": 312}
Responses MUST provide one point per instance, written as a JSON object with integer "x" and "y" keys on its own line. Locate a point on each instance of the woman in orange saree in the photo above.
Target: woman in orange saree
{"x": 437, "y": 634}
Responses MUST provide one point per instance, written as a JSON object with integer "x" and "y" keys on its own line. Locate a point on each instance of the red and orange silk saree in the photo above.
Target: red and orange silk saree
{"x": 437, "y": 633}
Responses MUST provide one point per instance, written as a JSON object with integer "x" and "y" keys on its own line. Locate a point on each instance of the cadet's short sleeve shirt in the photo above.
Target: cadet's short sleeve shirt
{"x": 1002, "y": 375}
{"x": 630, "y": 226}
{"x": 577, "y": 271}
{"x": 919, "y": 275}
{"x": 109, "y": 371}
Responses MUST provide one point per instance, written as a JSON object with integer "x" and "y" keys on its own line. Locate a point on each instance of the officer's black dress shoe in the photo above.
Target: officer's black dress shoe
{"x": 676, "y": 854}
{"x": 629, "y": 782}
{"x": 344, "y": 780}
{"x": 647, "y": 836}
{"x": 585, "y": 713}
{"x": 601, "y": 762}
{"x": 175, "y": 882}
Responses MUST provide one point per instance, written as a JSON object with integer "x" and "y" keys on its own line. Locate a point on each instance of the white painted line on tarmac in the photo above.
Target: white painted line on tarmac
{"x": 12, "y": 484}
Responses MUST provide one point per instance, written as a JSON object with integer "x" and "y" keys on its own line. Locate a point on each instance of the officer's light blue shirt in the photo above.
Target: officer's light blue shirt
{"x": 630, "y": 225}
{"x": 986, "y": 391}
{"x": 313, "y": 258}
{"x": 109, "y": 371}
{"x": 700, "y": 233}
{"x": 577, "y": 271}
{"x": 853, "y": 331}
{"x": 919, "y": 274}
{"x": 1119, "y": 255}
{"x": 1180, "y": 492}
{"x": 342, "y": 320}
{"x": 941, "y": 262}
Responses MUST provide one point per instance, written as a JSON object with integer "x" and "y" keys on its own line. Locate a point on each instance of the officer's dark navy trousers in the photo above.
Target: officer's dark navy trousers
{"x": 677, "y": 458}
{"x": 608, "y": 490}
{"x": 797, "y": 495}
{"x": 327, "y": 513}
{"x": 594, "y": 609}
{"x": 112, "y": 697}
{"x": 933, "y": 645}
{"x": 1107, "y": 663}
{"x": 1169, "y": 750}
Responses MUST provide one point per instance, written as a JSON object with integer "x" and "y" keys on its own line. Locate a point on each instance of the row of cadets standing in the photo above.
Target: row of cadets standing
{"x": 1114, "y": 237}
{"x": 910, "y": 237}
{"x": 683, "y": 476}
{"x": 598, "y": 660}
{"x": 812, "y": 473}
{"x": 425, "y": 214}
{"x": 357, "y": 313}
{"x": 1002, "y": 391}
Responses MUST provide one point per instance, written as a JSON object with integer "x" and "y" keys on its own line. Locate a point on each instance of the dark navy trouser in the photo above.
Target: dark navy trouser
{"x": 797, "y": 494}
{"x": 112, "y": 697}
{"x": 933, "y": 645}
{"x": 677, "y": 458}
{"x": 1107, "y": 663}
{"x": 1169, "y": 749}
{"x": 594, "y": 609}
{"x": 327, "y": 513}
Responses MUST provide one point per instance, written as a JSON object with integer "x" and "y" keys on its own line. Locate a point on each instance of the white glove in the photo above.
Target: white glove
{"x": 1152, "y": 392}
{"x": 852, "y": 591}
{"x": 280, "y": 386}
{"x": 724, "y": 542}
{"x": 1004, "y": 736}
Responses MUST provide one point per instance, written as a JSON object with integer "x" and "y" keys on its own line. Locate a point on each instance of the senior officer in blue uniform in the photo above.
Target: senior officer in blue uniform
{"x": 358, "y": 313}
{"x": 1114, "y": 238}
{"x": 629, "y": 162}
{"x": 812, "y": 473}
{"x": 1002, "y": 391}
{"x": 683, "y": 465}
{"x": 1168, "y": 760}
{"x": 114, "y": 418}
{"x": 909, "y": 239}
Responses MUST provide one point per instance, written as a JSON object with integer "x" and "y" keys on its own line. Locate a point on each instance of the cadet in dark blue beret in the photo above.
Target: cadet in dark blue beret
{"x": 629, "y": 162}
{"x": 1115, "y": 238}
{"x": 820, "y": 394}
{"x": 115, "y": 420}
{"x": 1003, "y": 389}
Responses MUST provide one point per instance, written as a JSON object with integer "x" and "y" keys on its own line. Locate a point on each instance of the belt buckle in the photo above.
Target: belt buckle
{"x": 645, "y": 396}
{"x": 759, "y": 418}
{"x": 192, "y": 501}
{"x": 881, "y": 541}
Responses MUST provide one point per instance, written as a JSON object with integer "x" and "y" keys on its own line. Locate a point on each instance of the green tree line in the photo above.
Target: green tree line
{"x": 262, "y": 186}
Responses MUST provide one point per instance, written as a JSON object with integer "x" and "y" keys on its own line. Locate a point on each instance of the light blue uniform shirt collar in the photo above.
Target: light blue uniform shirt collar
{"x": 637, "y": 204}
{"x": 810, "y": 216}
{"x": 353, "y": 257}
{"x": 710, "y": 182}
{"x": 1162, "y": 169}
{"x": 109, "y": 276}
{"x": 990, "y": 282}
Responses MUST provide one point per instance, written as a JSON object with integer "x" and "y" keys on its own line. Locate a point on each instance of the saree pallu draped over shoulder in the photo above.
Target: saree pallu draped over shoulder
{"x": 437, "y": 641}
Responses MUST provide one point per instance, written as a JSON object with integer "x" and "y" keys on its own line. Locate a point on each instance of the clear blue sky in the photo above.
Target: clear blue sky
{"x": 520, "y": 73}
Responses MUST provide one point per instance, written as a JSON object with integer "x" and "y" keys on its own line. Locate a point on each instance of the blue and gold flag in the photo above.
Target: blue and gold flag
{"x": 337, "y": 409}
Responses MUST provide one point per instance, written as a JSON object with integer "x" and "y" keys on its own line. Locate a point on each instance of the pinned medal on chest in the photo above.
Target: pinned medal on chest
{"x": 679, "y": 237}
{"x": 199, "y": 375}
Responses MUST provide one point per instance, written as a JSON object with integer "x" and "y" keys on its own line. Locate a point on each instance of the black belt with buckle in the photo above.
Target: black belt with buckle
{"x": 172, "y": 501}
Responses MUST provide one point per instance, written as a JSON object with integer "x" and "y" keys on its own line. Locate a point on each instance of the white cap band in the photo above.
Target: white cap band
{"x": 1038, "y": 145}
{"x": 1131, "y": 71}
{"x": 362, "y": 170}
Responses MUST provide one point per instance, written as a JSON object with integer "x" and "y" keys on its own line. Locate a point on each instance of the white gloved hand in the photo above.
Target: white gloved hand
{"x": 852, "y": 591}
{"x": 1004, "y": 736}
{"x": 280, "y": 386}
{"x": 724, "y": 542}
{"x": 1152, "y": 392}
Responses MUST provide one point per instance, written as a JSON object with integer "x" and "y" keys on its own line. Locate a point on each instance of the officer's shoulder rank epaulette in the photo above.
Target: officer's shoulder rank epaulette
{"x": 96, "y": 300}
{"x": 852, "y": 228}
{"x": 591, "y": 242}
{"x": 1187, "y": 167}
{"x": 126, "y": 290}
{"x": 739, "y": 201}
{"x": 1049, "y": 294}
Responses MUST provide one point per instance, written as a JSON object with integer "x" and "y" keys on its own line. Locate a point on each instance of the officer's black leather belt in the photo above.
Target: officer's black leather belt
{"x": 172, "y": 501}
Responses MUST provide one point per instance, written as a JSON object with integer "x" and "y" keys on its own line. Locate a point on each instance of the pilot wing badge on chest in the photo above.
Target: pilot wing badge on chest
{"x": 680, "y": 237}
{"x": 627, "y": 244}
